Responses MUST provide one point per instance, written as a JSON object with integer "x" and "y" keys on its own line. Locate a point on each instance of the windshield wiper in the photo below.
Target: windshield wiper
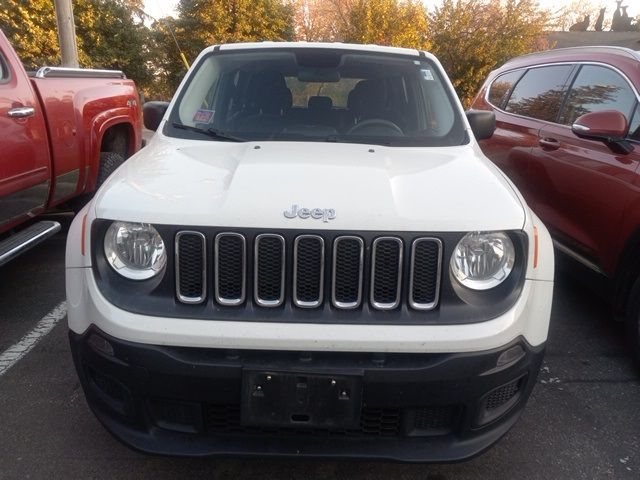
{"x": 210, "y": 132}
{"x": 356, "y": 139}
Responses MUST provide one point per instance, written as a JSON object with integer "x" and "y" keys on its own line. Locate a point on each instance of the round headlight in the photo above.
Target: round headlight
{"x": 483, "y": 260}
{"x": 134, "y": 250}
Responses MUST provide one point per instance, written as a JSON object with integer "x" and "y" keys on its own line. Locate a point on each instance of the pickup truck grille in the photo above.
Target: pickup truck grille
{"x": 309, "y": 270}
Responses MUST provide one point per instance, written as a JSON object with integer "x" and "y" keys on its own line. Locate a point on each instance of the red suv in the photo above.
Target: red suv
{"x": 568, "y": 135}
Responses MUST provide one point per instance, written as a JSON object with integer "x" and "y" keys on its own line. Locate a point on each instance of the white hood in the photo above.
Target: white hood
{"x": 227, "y": 184}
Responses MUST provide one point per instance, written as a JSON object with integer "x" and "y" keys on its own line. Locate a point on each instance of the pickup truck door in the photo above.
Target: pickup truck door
{"x": 25, "y": 169}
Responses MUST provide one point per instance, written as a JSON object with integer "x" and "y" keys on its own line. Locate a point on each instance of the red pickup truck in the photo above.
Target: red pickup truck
{"x": 62, "y": 132}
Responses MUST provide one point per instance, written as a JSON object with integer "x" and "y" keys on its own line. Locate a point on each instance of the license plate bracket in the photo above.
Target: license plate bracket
{"x": 301, "y": 400}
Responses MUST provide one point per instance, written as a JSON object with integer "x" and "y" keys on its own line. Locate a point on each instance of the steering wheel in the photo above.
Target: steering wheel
{"x": 379, "y": 122}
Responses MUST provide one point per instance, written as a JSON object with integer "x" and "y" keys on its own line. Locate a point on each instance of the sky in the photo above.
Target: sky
{"x": 161, "y": 8}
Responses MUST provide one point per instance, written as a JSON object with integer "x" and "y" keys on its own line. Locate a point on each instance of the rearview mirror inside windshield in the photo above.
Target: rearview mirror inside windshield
{"x": 318, "y": 75}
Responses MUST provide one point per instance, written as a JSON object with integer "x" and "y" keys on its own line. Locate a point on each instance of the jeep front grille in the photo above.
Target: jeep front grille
{"x": 310, "y": 270}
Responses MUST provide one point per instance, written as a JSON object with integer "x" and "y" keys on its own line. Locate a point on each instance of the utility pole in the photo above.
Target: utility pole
{"x": 67, "y": 33}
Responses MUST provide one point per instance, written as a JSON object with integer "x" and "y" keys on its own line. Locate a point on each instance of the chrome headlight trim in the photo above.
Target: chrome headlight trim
{"x": 483, "y": 260}
{"x": 135, "y": 251}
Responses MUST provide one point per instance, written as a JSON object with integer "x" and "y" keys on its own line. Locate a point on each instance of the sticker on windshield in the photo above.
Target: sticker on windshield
{"x": 203, "y": 116}
{"x": 426, "y": 74}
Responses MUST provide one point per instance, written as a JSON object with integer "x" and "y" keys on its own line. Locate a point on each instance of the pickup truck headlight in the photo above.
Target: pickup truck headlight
{"x": 135, "y": 250}
{"x": 483, "y": 260}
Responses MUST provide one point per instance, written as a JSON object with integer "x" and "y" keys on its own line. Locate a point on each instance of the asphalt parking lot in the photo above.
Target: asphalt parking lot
{"x": 582, "y": 421}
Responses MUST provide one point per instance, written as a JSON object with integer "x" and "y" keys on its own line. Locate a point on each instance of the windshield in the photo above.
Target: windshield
{"x": 317, "y": 95}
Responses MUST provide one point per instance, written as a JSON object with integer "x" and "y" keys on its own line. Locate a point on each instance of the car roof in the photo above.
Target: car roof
{"x": 325, "y": 45}
{"x": 573, "y": 54}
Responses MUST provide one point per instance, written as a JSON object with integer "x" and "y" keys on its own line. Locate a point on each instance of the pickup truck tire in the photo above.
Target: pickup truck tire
{"x": 109, "y": 161}
{"x": 633, "y": 322}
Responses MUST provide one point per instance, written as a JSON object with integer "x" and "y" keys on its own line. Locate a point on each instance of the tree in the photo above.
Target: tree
{"x": 167, "y": 66}
{"x": 110, "y": 34}
{"x": 473, "y": 37}
{"x": 207, "y": 22}
{"x": 31, "y": 28}
{"x": 322, "y": 20}
{"x": 201, "y": 23}
{"x": 388, "y": 22}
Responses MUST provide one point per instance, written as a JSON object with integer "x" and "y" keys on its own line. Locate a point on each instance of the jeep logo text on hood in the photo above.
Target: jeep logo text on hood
{"x": 325, "y": 214}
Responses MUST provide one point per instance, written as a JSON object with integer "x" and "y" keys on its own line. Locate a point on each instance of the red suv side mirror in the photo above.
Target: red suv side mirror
{"x": 608, "y": 126}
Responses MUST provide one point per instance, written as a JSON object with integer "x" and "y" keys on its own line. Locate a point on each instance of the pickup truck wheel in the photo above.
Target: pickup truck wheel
{"x": 633, "y": 322}
{"x": 109, "y": 161}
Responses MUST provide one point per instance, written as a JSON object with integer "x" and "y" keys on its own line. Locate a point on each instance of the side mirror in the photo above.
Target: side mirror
{"x": 608, "y": 126}
{"x": 152, "y": 113}
{"x": 482, "y": 122}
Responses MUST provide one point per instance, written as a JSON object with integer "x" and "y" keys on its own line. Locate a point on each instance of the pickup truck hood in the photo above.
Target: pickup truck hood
{"x": 368, "y": 187}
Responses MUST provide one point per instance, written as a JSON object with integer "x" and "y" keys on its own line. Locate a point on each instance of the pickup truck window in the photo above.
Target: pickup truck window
{"x": 598, "y": 88}
{"x": 318, "y": 95}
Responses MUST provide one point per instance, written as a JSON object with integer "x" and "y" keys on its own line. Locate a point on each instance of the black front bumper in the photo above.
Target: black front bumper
{"x": 409, "y": 407}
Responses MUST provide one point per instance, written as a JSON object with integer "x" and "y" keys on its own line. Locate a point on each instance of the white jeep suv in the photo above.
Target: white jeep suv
{"x": 311, "y": 257}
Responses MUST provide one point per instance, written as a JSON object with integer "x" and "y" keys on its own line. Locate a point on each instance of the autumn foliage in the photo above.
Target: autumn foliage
{"x": 470, "y": 37}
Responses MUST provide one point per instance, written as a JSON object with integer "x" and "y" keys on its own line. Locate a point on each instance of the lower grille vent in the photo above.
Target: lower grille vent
{"x": 500, "y": 401}
{"x": 373, "y": 422}
{"x": 435, "y": 418}
{"x": 502, "y": 395}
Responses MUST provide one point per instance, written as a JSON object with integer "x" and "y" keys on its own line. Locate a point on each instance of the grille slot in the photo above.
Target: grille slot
{"x": 308, "y": 271}
{"x": 348, "y": 267}
{"x": 230, "y": 268}
{"x": 191, "y": 279}
{"x": 269, "y": 270}
{"x": 424, "y": 279}
{"x": 386, "y": 273}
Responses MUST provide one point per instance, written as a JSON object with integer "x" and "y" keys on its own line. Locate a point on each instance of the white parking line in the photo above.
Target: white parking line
{"x": 15, "y": 352}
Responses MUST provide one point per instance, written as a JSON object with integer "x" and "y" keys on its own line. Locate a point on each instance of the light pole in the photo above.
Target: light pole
{"x": 67, "y": 33}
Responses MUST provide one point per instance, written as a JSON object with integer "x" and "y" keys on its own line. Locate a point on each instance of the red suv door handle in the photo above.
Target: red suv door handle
{"x": 21, "y": 112}
{"x": 549, "y": 143}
